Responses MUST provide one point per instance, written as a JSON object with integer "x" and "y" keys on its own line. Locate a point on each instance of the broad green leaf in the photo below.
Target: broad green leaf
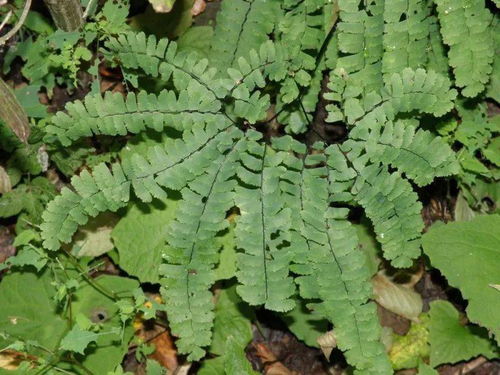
{"x": 28, "y": 311}
{"x": 235, "y": 360}
{"x": 369, "y": 245}
{"x": 212, "y": 366}
{"x": 99, "y": 308}
{"x": 232, "y": 318}
{"x": 94, "y": 238}
{"x": 468, "y": 255}
{"x": 77, "y": 340}
{"x": 304, "y": 324}
{"x": 196, "y": 39}
{"x": 226, "y": 268}
{"x": 28, "y": 98}
{"x": 406, "y": 351}
{"x": 28, "y": 257}
{"x": 154, "y": 368}
{"x": 452, "y": 342}
{"x": 140, "y": 237}
{"x": 463, "y": 212}
{"x": 424, "y": 369}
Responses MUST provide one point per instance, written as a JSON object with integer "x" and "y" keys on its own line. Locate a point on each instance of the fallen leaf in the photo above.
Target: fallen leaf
{"x": 157, "y": 335}
{"x": 11, "y": 359}
{"x": 398, "y": 298}
{"x": 5, "y": 185}
{"x": 271, "y": 364}
{"x": 198, "y": 7}
{"x": 162, "y": 6}
{"x": 327, "y": 342}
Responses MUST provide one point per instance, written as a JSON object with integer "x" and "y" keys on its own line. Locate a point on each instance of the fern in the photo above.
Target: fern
{"x": 387, "y": 73}
{"x": 192, "y": 253}
{"x": 116, "y": 115}
{"x": 105, "y": 190}
{"x": 242, "y": 25}
{"x": 360, "y": 39}
{"x": 261, "y": 230}
{"x": 471, "y": 46}
{"x": 406, "y": 29}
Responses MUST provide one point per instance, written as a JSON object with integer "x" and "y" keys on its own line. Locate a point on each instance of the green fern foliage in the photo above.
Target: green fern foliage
{"x": 192, "y": 254}
{"x": 115, "y": 115}
{"x": 335, "y": 273}
{"x": 263, "y": 266}
{"x": 159, "y": 58}
{"x": 107, "y": 189}
{"x": 394, "y": 210}
{"x": 471, "y": 45}
{"x": 360, "y": 39}
{"x": 242, "y": 25}
{"x": 406, "y": 29}
{"x": 239, "y": 137}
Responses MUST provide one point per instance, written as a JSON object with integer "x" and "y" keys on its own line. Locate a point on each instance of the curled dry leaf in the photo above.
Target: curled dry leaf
{"x": 162, "y": 6}
{"x": 157, "y": 335}
{"x": 398, "y": 298}
{"x": 495, "y": 286}
{"x": 198, "y": 7}
{"x": 11, "y": 359}
{"x": 327, "y": 342}
{"x": 5, "y": 185}
{"x": 272, "y": 366}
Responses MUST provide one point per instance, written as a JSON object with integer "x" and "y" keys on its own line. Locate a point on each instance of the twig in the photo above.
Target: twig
{"x": 87, "y": 9}
{"x": 7, "y": 18}
{"x": 471, "y": 366}
{"x": 20, "y": 22}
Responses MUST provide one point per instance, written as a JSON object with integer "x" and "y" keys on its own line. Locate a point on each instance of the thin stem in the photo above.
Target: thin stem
{"x": 14, "y": 30}
{"x": 92, "y": 282}
{"x": 7, "y": 18}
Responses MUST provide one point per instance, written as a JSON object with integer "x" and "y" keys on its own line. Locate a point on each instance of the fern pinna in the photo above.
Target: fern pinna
{"x": 387, "y": 71}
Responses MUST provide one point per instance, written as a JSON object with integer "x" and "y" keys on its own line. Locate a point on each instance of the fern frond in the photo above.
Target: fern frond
{"x": 105, "y": 190}
{"x": 298, "y": 114}
{"x": 178, "y": 161}
{"x": 115, "y": 115}
{"x": 465, "y": 26}
{"x": 160, "y": 58}
{"x": 436, "y": 53}
{"x": 360, "y": 39}
{"x": 394, "y": 209}
{"x": 171, "y": 166}
{"x": 419, "y": 154}
{"x": 410, "y": 90}
{"x": 241, "y": 25}
{"x": 301, "y": 33}
{"x": 406, "y": 30}
{"x": 337, "y": 275}
{"x": 420, "y": 90}
{"x": 193, "y": 252}
{"x": 262, "y": 229}
{"x": 248, "y": 77}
